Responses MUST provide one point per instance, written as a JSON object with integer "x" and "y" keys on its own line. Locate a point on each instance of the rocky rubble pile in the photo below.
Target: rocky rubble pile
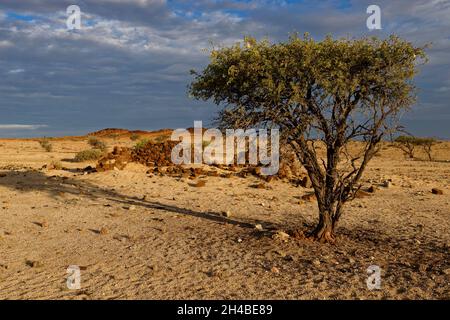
{"x": 154, "y": 154}
{"x": 118, "y": 159}
{"x": 157, "y": 155}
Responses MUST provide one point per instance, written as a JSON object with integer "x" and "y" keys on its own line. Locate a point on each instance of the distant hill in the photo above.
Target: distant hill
{"x": 125, "y": 132}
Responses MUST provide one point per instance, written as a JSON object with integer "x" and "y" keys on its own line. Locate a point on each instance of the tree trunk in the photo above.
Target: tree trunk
{"x": 324, "y": 232}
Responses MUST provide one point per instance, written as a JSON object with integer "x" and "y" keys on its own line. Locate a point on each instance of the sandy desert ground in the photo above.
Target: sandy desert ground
{"x": 141, "y": 236}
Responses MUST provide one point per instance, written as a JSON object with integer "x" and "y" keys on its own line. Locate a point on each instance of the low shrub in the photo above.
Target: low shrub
{"x": 46, "y": 145}
{"x": 55, "y": 165}
{"x": 96, "y": 143}
{"x": 88, "y": 155}
{"x": 141, "y": 144}
{"x": 134, "y": 137}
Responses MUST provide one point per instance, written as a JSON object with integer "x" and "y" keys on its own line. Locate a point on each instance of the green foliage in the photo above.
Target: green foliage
{"x": 46, "y": 145}
{"x": 88, "y": 155}
{"x": 161, "y": 138}
{"x": 113, "y": 136}
{"x": 134, "y": 137}
{"x": 142, "y": 143}
{"x": 264, "y": 82}
{"x": 406, "y": 139}
{"x": 96, "y": 143}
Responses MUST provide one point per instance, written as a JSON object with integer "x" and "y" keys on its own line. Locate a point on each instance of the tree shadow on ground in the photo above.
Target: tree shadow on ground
{"x": 56, "y": 186}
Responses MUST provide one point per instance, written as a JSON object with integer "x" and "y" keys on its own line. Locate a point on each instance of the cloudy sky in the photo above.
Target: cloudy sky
{"x": 129, "y": 64}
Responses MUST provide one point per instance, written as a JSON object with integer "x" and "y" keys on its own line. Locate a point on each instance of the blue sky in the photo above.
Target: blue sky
{"x": 129, "y": 65}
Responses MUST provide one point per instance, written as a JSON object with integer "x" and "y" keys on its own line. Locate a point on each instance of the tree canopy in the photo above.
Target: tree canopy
{"x": 334, "y": 91}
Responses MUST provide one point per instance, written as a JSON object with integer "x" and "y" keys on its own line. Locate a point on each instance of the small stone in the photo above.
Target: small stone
{"x": 371, "y": 189}
{"x": 309, "y": 197}
{"x": 437, "y": 191}
{"x": 199, "y": 184}
{"x": 386, "y": 184}
{"x": 351, "y": 260}
{"x": 306, "y": 182}
{"x": 289, "y": 258}
{"x": 280, "y": 235}
{"x": 34, "y": 263}
{"x": 132, "y": 207}
{"x": 316, "y": 262}
{"x": 104, "y": 231}
{"x": 259, "y": 227}
{"x": 227, "y": 213}
{"x": 423, "y": 268}
{"x": 447, "y": 271}
{"x": 239, "y": 240}
{"x": 275, "y": 270}
{"x": 281, "y": 253}
{"x": 260, "y": 185}
{"x": 361, "y": 194}
{"x": 43, "y": 224}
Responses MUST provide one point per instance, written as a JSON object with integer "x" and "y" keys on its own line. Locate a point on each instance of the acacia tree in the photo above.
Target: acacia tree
{"x": 407, "y": 144}
{"x": 427, "y": 145}
{"x": 327, "y": 93}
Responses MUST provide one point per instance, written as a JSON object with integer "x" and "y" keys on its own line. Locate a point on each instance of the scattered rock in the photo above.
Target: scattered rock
{"x": 239, "y": 240}
{"x": 371, "y": 189}
{"x": 131, "y": 208}
{"x": 423, "y": 268}
{"x": 275, "y": 270}
{"x": 281, "y": 253}
{"x": 199, "y": 184}
{"x": 289, "y": 258}
{"x": 227, "y": 213}
{"x": 437, "y": 191}
{"x": 297, "y": 234}
{"x": 316, "y": 262}
{"x": 387, "y": 184}
{"x": 43, "y": 224}
{"x": 103, "y": 231}
{"x": 259, "y": 227}
{"x": 309, "y": 197}
{"x": 361, "y": 194}
{"x": 280, "y": 235}
{"x": 305, "y": 182}
{"x": 260, "y": 185}
{"x": 34, "y": 263}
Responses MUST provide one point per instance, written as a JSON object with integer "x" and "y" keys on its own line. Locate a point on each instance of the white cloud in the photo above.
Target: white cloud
{"x": 5, "y": 44}
{"x": 443, "y": 89}
{"x": 14, "y": 71}
{"x": 21, "y": 126}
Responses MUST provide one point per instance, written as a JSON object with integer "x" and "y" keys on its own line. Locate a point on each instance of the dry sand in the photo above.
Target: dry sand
{"x": 174, "y": 243}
